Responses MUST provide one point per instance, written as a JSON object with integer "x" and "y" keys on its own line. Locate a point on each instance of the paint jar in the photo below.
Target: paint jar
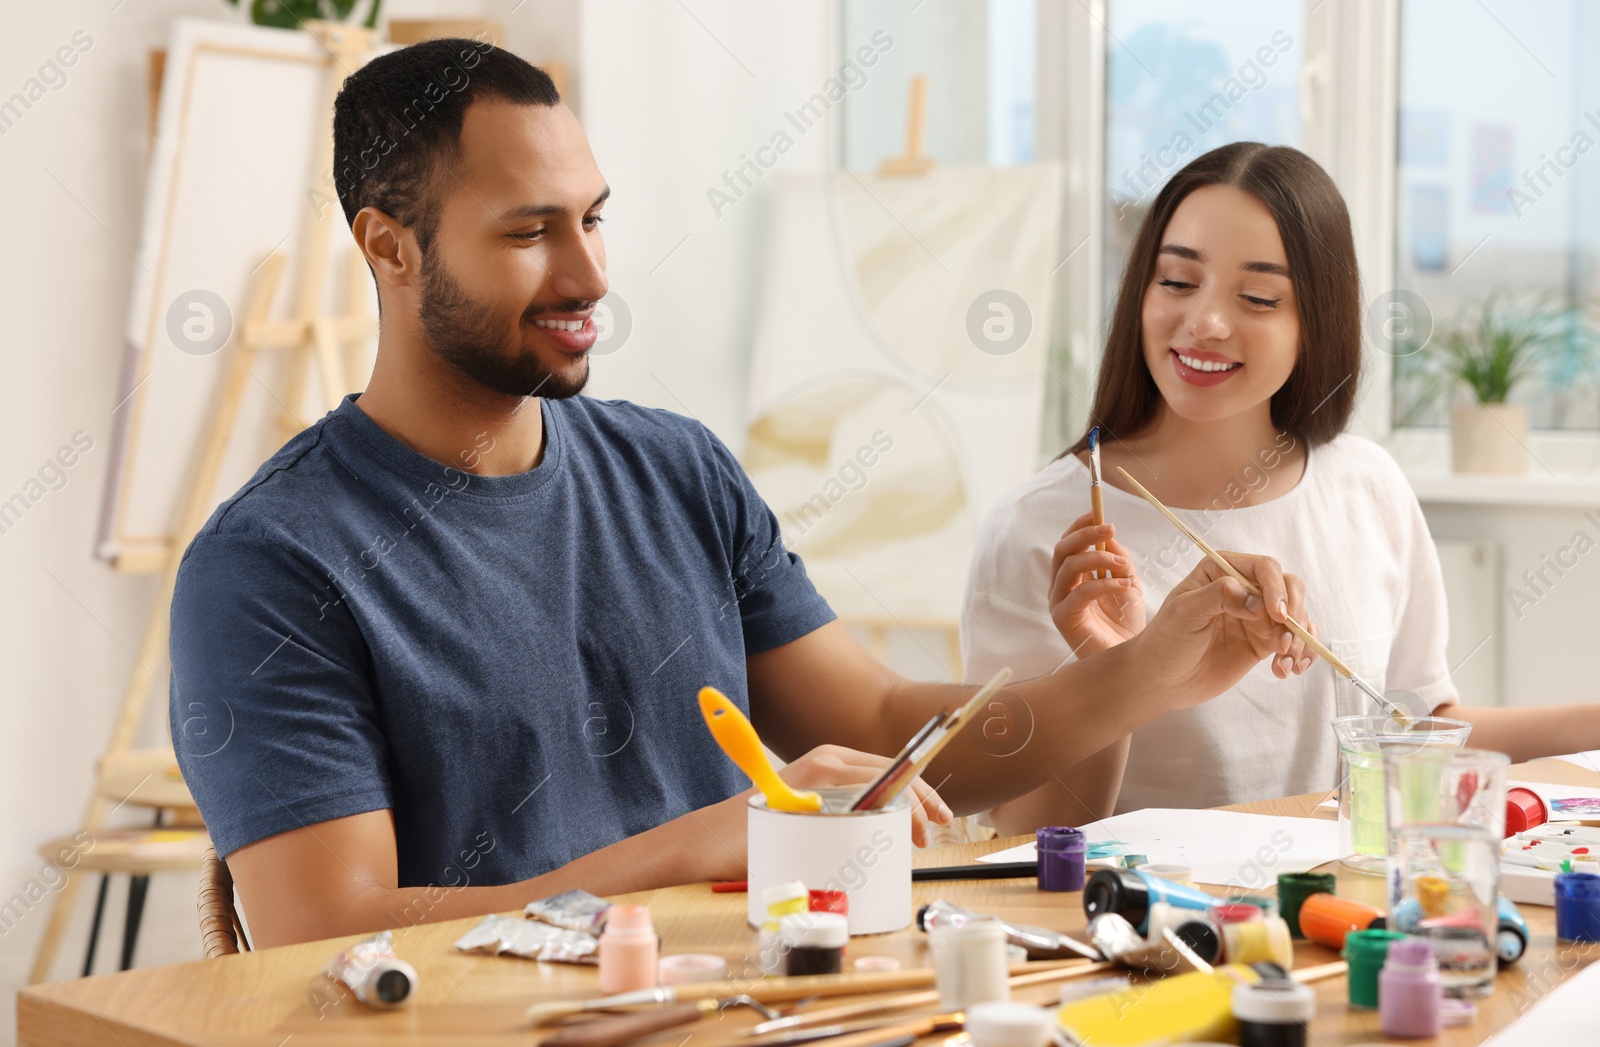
{"x": 628, "y": 949}
{"x": 1363, "y": 741}
{"x": 1327, "y": 918}
{"x": 1249, "y": 936}
{"x": 778, "y": 901}
{"x": 830, "y": 901}
{"x": 1264, "y": 902}
{"x": 1525, "y": 809}
{"x": 1294, "y": 889}
{"x": 1274, "y": 1013}
{"x": 814, "y": 942}
{"x": 1176, "y": 873}
{"x": 1060, "y": 863}
{"x": 1409, "y": 990}
{"x": 866, "y": 854}
{"x": 1365, "y": 952}
{"x": 1009, "y": 1025}
{"x": 684, "y": 968}
{"x": 969, "y": 963}
{"x": 1578, "y": 907}
{"x": 1446, "y": 813}
{"x": 1131, "y": 892}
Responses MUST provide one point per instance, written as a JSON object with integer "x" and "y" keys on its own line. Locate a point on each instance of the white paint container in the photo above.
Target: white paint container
{"x": 866, "y": 854}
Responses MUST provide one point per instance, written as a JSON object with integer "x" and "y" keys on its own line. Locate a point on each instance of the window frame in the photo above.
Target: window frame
{"x": 1349, "y": 115}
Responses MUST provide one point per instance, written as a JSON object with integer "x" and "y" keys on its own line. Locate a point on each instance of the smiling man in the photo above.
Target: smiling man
{"x": 459, "y": 623}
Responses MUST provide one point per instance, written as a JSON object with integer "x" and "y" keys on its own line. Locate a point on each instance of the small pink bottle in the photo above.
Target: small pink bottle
{"x": 628, "y": 948}
{"x": 1409, "y": 990}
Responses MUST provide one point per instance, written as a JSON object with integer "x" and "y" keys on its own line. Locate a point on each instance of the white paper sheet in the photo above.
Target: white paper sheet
{"x": 1549, "y": 792}
{"x": 1589, "y": 761}
{"x": 1227, "y": 848}
{"x": 1565, "y": 1016}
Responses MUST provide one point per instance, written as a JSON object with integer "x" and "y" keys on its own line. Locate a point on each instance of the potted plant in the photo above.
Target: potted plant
{"x": 1492, "y": 348}
{"x": 293, "y": 14}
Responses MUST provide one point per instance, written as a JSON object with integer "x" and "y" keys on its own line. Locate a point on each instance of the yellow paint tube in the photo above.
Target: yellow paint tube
{"x": 1174, "y": 1009}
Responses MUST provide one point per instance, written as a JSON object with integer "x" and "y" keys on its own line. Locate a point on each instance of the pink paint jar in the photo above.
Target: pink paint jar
{"x": 628, "y": 948}
{"x": 1409, "y": 990}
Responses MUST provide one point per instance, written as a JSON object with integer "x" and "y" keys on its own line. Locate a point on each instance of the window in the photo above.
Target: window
{"x": 1183, "y": 79}
{"x": 980, "y": 63}
{"x": 1499, "y": 188}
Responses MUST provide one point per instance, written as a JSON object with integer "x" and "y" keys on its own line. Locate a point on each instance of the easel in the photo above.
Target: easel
{"x": 914, "y": 161}
{"x": 334, "y": 341}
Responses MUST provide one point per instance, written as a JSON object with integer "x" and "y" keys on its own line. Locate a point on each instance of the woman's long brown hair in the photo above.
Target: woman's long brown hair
{"x": 1316, "y": 401}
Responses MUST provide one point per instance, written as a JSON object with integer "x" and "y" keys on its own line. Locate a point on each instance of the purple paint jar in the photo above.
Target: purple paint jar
{"x": 1409, "y": 990}
{"x": 1060, "y": 858}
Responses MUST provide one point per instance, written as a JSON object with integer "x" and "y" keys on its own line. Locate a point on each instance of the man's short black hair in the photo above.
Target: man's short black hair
{"x": 397, "y": 123}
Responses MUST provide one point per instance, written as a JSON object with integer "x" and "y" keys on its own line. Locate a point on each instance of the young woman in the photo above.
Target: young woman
{"x": 1230, "y": 371}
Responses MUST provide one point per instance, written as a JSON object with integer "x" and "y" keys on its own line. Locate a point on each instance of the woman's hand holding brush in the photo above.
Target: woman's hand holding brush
{"x": 1094, "y": 613}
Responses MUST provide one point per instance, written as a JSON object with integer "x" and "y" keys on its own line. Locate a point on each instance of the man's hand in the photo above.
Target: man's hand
{"x": 1211, "y": 630}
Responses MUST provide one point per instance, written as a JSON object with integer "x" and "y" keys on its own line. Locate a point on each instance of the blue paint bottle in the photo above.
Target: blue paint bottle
{"x": 1578, "y": 907}
{"x": 1130, "y": 892}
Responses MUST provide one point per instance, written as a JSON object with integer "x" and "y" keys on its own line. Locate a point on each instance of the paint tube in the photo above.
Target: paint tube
{"x": 571, "y": 910}
{"x": 373, "y": 973}
{"x": 535, "y": 941}
{"x": 1040, "y": 943}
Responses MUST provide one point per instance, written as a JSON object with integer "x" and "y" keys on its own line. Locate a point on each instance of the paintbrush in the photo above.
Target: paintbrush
{"x": 873, "y": 793}
{"x": 910, "y": 1001}
{"x": 941, "y": 736}
{"x": 785, "y": 989}
{"x": 1289, "y": 623}
{"x": 1097, "y": 503}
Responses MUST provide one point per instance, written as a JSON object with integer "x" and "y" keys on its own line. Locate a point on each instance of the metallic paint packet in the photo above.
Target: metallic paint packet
{"x": 573, "y": 910}
{"x": 536, "y": 941}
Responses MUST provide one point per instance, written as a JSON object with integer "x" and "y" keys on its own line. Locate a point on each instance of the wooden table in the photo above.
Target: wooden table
{"x": 272, "y": 998}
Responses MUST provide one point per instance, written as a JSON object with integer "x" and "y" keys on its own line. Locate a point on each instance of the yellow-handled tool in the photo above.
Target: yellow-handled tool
{"x": 739, "y": 740}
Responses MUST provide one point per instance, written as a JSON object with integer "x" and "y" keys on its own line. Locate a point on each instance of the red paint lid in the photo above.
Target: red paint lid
{"x": 1524, "y": 810}
{"x": 1235, "y": 913}
{"x": 830, "y": 901}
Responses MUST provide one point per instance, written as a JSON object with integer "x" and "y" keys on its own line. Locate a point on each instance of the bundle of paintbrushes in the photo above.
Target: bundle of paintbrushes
{"x": 924, "y": 746}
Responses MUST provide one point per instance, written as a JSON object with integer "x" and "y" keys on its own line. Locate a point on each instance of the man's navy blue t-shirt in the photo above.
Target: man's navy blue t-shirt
{"x": 510, "y": 663}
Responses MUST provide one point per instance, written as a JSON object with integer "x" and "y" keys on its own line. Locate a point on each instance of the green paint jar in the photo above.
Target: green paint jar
{"x": 1365, "y": 952}
{"x": 1294, "y": 888}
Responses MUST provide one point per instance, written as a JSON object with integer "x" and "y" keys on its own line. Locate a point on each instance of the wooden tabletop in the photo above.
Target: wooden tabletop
{"x": 273, "y": 997}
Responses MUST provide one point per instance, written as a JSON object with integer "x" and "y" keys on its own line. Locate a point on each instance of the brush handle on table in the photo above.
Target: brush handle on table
{"x": 624, "y": 1029}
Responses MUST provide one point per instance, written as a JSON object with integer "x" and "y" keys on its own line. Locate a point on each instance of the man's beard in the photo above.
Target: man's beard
{"x": 466, "y": 334}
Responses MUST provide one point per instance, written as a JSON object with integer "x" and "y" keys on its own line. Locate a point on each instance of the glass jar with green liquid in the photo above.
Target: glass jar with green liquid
{"x": 1363, "y": 741}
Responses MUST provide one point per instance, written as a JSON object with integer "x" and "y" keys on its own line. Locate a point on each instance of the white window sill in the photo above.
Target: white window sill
{"x": 1562, "y": 471}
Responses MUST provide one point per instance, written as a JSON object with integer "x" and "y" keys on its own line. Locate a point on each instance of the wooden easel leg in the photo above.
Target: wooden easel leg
{"x": 329, "y": 360}
{"x": 153, "y": 648}
{"x": 355, "y": 308}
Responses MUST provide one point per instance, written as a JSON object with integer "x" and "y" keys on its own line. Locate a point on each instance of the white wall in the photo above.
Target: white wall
{"x": 1544, "y": 645}
{"x": 671, "y": 101}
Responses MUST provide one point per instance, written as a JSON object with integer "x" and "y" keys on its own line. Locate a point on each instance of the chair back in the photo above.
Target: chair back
{"x": 221, "y": 930}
